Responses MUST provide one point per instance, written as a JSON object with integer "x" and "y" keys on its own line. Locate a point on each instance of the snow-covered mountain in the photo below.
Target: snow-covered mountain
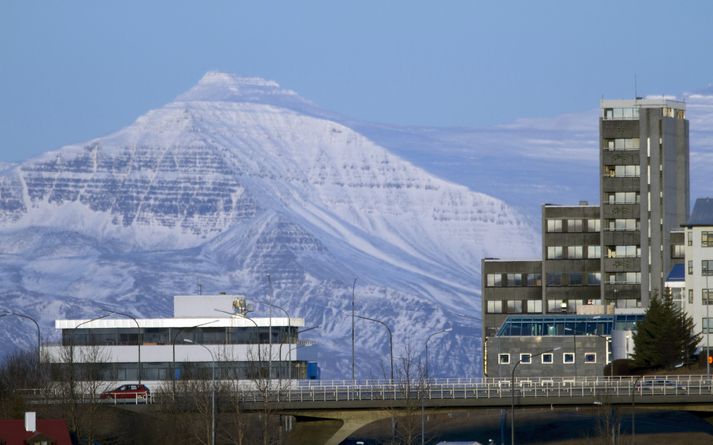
{"x": 237, "y": 179}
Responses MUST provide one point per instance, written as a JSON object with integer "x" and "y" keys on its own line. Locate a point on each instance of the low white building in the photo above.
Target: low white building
{"x": 206, "y": 331}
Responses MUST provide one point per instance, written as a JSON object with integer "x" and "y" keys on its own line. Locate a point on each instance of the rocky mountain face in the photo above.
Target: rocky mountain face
{"x": 238, "y": 179}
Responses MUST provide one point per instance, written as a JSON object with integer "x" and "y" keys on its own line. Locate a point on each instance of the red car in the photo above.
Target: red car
{"x": 132, "y": 392}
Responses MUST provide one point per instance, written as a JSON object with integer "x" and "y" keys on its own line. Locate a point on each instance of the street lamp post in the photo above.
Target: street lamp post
{"x": 39, "y": 337}
{"x": 423, "y": 418}
{"x": 212, "y": 396}
{"x": 269, "y": 332}
{"x": 289, "y": 334}
{"x": 391, "y": 342}
{"x": 353, "y": 353}
{"x": 173, "y": 347}
{"x": 512, "y": 392}
{"x": 633, "y": 410}
{"x": 138, "y": 335}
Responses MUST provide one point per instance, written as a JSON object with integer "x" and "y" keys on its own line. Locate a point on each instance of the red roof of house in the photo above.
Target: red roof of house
{"x": 12, "y": 432}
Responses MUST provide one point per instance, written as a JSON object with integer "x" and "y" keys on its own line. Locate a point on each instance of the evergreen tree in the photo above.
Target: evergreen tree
{"x": 664, "y": 337}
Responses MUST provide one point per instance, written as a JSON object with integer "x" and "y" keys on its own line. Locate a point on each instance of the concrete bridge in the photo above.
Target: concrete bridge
{"x": 351, "y": 406}
{"x": 327, "y": 412}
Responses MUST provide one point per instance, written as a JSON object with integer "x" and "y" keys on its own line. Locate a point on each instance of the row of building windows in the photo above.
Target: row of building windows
{"x": 183, "y": 370}
{"x": 622, "y": 225}
{"x": 514, "y": 306}
{"x": 168, "y": 336}
{"x": 573, "y": 225}
{"x": 706, "y": 239}
{"x": 513, "y": 280}
{"x": 568, "y": 358}
{"x": 706, "y": 268}
{"x": 623, "y": 252}
{"x": 555, "y": 279}
{"x": 573, "y": 252}
{"x": 622, "y": 171}
{"x": 620, "y": 113}
{"x": 624, "y": 278}
{"x": 623, "y": 198}
{"x": 621, "y": 144}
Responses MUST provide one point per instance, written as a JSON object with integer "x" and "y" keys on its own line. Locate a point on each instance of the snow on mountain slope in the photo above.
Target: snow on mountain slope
{"x": 237, "y": 179}
{"x": 534, "y": 161}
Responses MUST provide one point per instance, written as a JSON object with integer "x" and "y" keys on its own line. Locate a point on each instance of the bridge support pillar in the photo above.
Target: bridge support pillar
{"x": 332, "y": 427}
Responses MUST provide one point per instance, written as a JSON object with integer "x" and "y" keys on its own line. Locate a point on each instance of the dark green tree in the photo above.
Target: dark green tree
{"x": 664, "y": 337}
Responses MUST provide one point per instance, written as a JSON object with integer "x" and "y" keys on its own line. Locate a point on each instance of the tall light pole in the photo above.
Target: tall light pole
{"x": 269, "y": 331}
{"x": 212, "y": 395}
{"x": 353, "y": 351}
{"x": 173, "y": 346}
{"x": 71, "y": 345}
{"x": 289, "y": 335}
{"x": 442, "y": 331}
{"x": 512, "y": 392}
{"x": 423, "y": 418}
{"x": 138, "y": 335}
{"x": 391, "y": 342}
{"x": 39, "y": 338}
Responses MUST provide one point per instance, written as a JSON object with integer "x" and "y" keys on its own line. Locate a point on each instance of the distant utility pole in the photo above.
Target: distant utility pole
{"x": 353, "y": 286}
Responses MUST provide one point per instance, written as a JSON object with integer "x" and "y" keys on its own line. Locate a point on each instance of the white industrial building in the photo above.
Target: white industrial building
{"x": 206, "y": 331}
{"x": 699, "y": 268}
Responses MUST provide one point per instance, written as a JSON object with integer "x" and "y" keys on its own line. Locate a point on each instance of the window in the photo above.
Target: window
{"x": 707, "y": 296}
{"x": 568, "y": 358}
{"x": 514, "y": 306}
{"x": 594, "y": 225}
{"x": 690, "y": 267}
{"x": 590, "y": 357}
{"x": 690, "y": 296}
{"x": 689, "y": 237}
{"x": 554, "y": 279}
{"x": 534, "y": 279}
{"x": 622, "y": 171}
{"x": 707, "y": 268}
{"x": 594, "y": 252}
{"x": 618, "y": 225}
{"x": 623, "y": 197}
{"x": 678, "y": 251}
{"x": 503, "y": 359}
{"x": 514, "y": 279}
{"x": 554, "y": 306}
{"x": 525, "y": 359}
{"x": 574, "y": 252}
{"x": 622, "y": 144}
{"x": 494, "y": 280}
{"x": 707, "y": 325}
{"x": 554, "y": 225}
{"x": 627, "y": 252}
{"x": 625, "y": 278}
{"x": 706, "y": 239}
{"x": 534, "y": 306}
{"x": 495, "y": 307}
{"x": 547, "y": 358}
{"x": 575, "y": 278}
{"x": 594, "y": 278}
{"x": 554, "y": 253}
{"x": 574, "y": 225}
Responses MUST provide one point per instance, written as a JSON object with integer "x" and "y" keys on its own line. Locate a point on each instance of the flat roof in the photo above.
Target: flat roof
{"x": 217, "y": 322}
{"x": 647, "y": 102}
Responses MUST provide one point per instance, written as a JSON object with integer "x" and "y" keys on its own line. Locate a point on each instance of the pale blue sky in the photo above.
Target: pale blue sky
{"x": 74, "y": 70}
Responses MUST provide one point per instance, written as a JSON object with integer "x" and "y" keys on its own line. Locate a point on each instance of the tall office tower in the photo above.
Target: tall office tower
{"x": 644, "y": 194}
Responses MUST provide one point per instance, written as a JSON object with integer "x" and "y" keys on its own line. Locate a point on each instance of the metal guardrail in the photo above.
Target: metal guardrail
{"x": 340, "y": 391}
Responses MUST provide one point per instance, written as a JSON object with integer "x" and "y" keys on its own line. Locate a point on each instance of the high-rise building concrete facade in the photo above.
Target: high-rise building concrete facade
{"x": 644, "y": 194}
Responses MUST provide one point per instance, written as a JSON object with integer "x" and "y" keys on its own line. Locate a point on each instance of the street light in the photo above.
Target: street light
{"x": 173, "y": 346}
{"x": 138, "y": 336}
{"x": 289, "y": 333}
{"x": 512, "y": 392}
{"x": 212, "y": 396}
{"x": 427, "y": 340}
{"x": 423, "y": 421}
{"x": 391, "y": 342}
{"x": 353, "y": 353}
{"x": 39, "y": 339}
